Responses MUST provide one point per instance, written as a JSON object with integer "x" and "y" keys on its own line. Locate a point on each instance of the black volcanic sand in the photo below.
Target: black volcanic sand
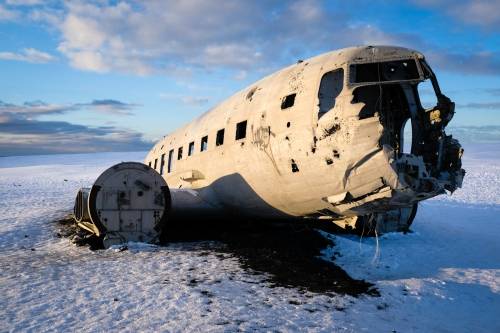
{"x": 287, "y": 253}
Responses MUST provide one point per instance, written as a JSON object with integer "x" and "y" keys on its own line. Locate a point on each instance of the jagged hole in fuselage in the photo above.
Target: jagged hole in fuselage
{"x": 391, "y": 104}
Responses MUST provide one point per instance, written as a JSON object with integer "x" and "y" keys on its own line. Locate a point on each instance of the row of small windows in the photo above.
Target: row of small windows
{"x": 241, "y": 132}
{"x": 330, "y": 87}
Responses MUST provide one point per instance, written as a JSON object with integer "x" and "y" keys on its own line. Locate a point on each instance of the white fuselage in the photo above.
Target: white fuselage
{"x": 301, "y": 155}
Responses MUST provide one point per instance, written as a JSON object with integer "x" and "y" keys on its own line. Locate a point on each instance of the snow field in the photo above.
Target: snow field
{"x": 442, "y": 277}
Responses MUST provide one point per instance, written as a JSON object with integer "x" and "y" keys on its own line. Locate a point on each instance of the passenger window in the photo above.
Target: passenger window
{"x": 162, "y": 163}
{"x": 241, "y": 130}
{"x": 170, "y": 160}
{"x": 329, "y": 89}
{"x": 219, "y": 140}
{"x": 204, "y": 143}
{"x": 156, "y": 163}
{"x": 179, "y": 153}
{"x": 149, "y": 164}
{"x": 288, "y": 101}
{"x": 191, "y": 148}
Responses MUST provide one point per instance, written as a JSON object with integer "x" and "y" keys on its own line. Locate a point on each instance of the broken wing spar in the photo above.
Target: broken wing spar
{"x": 321, "y": 139}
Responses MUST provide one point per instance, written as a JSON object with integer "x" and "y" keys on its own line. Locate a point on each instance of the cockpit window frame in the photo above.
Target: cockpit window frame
{"x": 348, "y": 73}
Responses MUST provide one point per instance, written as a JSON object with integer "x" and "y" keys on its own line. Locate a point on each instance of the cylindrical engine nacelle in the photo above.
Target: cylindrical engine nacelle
{"x": 128, "y": 202}
{"x": 81, "y": 209}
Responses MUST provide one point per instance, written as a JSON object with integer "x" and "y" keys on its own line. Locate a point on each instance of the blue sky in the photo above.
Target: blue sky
{"x": 83, "y": 76}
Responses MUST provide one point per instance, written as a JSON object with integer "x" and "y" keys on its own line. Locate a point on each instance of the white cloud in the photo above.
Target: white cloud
{"x": 191, "y": 100}
{"x": 110, "y": 106}
{"x": 476, "y": 134}
{"x": 306, "y": 10}
{"x": 28, "y": 137}
{"x": 46, "y": 15}
{"x": 23, "y": 2}
{"x": 88, "y": 60}
{"x": 482, "y": 63}
{"x": 82, "y": 33}
{"x": 232, "y": 55}
{"x": 368, "y": 34}
{"x": 34, "y": 109}
{"x": 194, "y": 100}
{"x": 21, "y": 131}
{"x": 240, "y": 75}
{"x": 162, "y": 36}
{"x": 181, "y": 38}
{"x": 28, "y": 55}
{"x": 7, "y": 14}
{"x": 483, "y": 13}
{"x": 153, "y": 35}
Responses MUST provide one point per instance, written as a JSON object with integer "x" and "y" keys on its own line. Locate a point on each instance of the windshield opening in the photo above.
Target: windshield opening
{"x": 427, "y": 95}
{"x": 407, "y": 136}
{"x": 398, "y": 70}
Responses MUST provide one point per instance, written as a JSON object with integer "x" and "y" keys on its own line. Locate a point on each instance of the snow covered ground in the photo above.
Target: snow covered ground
{"x": 443, "y": 277}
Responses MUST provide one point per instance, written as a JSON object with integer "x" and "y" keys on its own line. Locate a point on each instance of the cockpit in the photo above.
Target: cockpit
{"x": 393, "y": 91}
{"x": 398, "y": 92}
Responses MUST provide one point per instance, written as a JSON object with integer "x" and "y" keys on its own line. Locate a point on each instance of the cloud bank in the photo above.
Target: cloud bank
{"x": 173, "y": 37}
{"x": 178, "y": 36}
{"x": 21, "y": 132}
{"x": 28, "y": 55}
{"x": 483, "y": 13}
{"x": 475, "y": 134}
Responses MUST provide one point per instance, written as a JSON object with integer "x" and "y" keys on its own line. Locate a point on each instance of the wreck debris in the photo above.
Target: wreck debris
{"x": 349, "y": 109}
{"x": 128, "y": 202}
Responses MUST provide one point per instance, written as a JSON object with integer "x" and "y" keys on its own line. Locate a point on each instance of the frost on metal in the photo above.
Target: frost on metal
{"x": 321, "y": 139}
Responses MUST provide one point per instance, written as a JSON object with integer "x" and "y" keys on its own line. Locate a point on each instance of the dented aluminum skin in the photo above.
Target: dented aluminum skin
{"x": 324, "y": 139}
{"x": 128, "y": 202}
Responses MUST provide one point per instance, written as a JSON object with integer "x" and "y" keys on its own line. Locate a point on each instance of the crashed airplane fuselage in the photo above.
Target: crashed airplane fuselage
{"x": 320, "y": 139}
